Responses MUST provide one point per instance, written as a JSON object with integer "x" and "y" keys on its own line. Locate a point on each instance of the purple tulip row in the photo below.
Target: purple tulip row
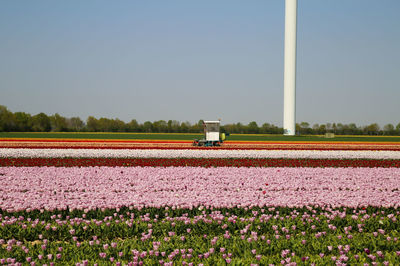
{"x": 318, "y": 236}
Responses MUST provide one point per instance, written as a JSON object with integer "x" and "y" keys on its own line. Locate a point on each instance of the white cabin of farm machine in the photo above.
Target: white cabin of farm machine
{"x": 212, "y": 136}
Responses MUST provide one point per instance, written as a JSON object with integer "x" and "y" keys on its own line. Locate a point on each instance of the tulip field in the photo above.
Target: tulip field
{"x": 245, "y": 203}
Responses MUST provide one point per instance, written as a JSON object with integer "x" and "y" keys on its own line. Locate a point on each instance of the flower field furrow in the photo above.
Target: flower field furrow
{"x": 197, "y": 162}
{"x": 60, "y": 188}
{"x": 166, "y": 153}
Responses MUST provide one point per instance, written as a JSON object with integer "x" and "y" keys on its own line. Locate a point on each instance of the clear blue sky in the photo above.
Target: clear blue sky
{"x": 191, "y": 60}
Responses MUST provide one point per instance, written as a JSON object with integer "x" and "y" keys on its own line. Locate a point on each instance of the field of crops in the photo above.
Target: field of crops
{"x": 106, "y": 202}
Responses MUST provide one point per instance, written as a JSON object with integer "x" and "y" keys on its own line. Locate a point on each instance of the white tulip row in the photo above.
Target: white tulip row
{"x": 159, "y": 153}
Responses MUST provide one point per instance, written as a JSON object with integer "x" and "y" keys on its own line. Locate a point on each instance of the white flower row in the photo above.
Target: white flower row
{"x": 159, "y": 153}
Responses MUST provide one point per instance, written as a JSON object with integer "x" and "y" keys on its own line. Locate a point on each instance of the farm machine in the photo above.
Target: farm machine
{"x": 212, "y": 137}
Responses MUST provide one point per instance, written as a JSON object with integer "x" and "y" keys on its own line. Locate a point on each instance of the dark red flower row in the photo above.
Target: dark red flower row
{"x": 197, "y": 162}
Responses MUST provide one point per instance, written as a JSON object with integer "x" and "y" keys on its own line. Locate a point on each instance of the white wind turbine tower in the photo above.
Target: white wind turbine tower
{"x": 289, "y": 82}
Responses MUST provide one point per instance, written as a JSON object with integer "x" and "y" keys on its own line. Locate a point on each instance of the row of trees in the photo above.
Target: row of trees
{"x": 24, "y": 122}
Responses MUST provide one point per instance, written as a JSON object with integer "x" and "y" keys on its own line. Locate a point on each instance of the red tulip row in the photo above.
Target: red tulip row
{"x": 197, "y": 162}
{"x": 160, "y": 147}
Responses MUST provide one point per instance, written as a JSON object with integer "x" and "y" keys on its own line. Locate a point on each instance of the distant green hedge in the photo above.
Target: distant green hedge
{"x": 24, "y": 122}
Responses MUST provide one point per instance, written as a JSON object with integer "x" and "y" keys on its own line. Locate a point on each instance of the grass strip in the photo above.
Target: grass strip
{"x": 191, "y": 136}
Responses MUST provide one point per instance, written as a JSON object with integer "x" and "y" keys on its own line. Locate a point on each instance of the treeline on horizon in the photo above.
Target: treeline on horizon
{"x": 25, "y": 122}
